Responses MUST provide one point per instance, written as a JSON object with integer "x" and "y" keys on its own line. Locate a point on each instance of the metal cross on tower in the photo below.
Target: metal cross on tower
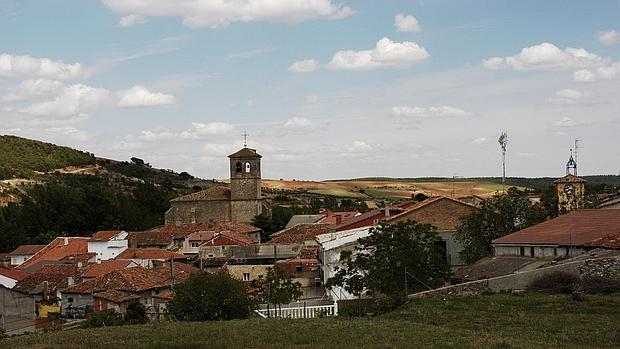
{"x": 245, "y": 139}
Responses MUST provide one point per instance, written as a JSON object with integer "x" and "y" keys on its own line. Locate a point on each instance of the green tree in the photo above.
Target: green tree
{"x": 216, "y": 296}
{"x": 136, "y": 313}
{"x": 280, "y": 288}
{"x": 393, "y": 260}
{"x": 498, "y": 216}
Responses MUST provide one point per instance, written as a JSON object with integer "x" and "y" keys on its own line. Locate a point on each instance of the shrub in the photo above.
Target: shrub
{"x": 103, "y": 318}
{"x": 136, "y": 313}
{"x": 556, "y": 282}
{"x": 216, "y": 296}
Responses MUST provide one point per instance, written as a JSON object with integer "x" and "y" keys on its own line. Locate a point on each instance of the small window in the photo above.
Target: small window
{"x": 246, "y": 276}
{"x": 299, "y": 268}
{"x": 70, "y": 299}
{"x": 238, "y": 167}
{"x": 248, "y": 167}
{"x": 532, "y": 251}
{"x": 522, "y": 251}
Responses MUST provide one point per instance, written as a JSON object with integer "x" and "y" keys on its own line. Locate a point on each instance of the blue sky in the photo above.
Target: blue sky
{"x": 178, "y": 84}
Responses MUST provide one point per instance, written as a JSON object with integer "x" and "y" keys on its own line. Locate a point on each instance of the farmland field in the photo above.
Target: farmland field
{"x": 392, "y": 189}
{"x": 526, "y": 320}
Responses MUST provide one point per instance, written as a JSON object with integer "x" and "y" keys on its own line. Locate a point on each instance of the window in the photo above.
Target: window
{"x": 195, "y": 244}
{"x": 238, "y": 167}
{"x": 522, "y": 251}
{"x": 532, "y": 251}
{"x": 246, "y": 276}
{"x": 248, "y": 167}
{"x": 70, "y": 299}
{"x": 299, "y": 268}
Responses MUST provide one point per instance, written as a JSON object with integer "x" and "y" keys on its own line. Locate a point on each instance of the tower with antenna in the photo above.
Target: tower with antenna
{"x": 503, "y": 142}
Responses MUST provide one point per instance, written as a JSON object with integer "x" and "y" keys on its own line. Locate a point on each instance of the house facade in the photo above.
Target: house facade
{"x": 108, "y": 244}
{"x": 17, "y": 312}
{"x": 24, "y": 253}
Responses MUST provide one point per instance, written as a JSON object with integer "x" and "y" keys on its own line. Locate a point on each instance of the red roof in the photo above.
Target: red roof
{"x": 163, "y": 234}
{"x": 105, "y": 267}
{"x": 581, "y": 227}
{"x": 56, "y": 275}
{"x": 300, "y": 233}
{"x": 26, "y": 250}
{"x": 116, "y": 296}
{"x": 149, "y": 253}
{"x": 105, "y": 235}
{"x": 136, "y": 279}
{"x": 228, "y": 238}
{"x": 58, "y": 249}
{"x": 13, "y": 274}
{"x": 334, "y": 217}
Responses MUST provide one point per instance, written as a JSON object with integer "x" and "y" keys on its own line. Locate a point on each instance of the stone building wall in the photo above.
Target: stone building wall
{"x": 445, "y": 214}
{"x": 17, "y": 310}
{"x": 244, "y": 211}
{"x": 198, "y": 211}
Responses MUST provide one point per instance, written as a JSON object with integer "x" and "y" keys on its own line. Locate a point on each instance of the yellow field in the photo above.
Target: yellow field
{"x": 387, "y": 189}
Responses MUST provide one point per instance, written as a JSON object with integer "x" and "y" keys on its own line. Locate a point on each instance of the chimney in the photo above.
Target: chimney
{"x": 387, "y": 211}
{"x": 338, "y": 219}
{"x": 66, "y": 241}
{"x": 70, "y": 281}
{"x": 79, "y": 264}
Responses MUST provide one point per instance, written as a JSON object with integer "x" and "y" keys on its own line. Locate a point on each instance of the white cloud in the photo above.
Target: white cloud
{"x": 156, "y": 135}
{"x": 607, "y": 38}
{"x": 481, "y": 140}
{"x": 429, "y": 112}
{"x": 296, "y": 123}
{"x": 304, "y": 66}
{"x": 359, "y": 147}
{"x": 406, "y": 23}
{"x": 140, "y": 96}
{"x": 217, "y": 150}
{"x": 74, "y": 100}
{"x": 547, "y": 56}
{"x": 26, "y": 67}
{"x": 209, "y": 13}
{"x": 570, "y": 96}
{"x": 564, "y": 122}
{"x": 609, "y": 72}
{"x": 386, "y": 54}
{"x": 212, "y": 128}
{"x": 130, "y": 20}
{"x": 33, "y": 89}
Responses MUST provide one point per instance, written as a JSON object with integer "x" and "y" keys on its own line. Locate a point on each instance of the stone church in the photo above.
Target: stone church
{"x": 571, "y": 190}
{"x": 239, "y": 202}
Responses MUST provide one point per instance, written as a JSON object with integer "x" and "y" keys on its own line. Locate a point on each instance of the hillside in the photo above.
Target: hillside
{"x": 529, "y": 320}
{"x": 21, "y": 157}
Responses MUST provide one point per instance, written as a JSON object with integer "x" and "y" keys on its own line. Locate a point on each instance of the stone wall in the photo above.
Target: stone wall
{"x": 17, "y": 312}
{"x": 244, "y": 211}
{"x": 198, "y": 211}
{"x": 607, "y": 266}
{"x": 445, "y": 214}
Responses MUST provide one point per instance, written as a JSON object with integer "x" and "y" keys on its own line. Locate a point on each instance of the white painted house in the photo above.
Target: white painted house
{"x": 108, "y": 244}
{"x": 24, "y": 253}
{"x": 332, "y": 244}
{"x": 9, "y": 277}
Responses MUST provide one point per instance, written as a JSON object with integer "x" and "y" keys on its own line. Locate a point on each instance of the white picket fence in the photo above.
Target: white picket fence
{"x": 301, "y": 312}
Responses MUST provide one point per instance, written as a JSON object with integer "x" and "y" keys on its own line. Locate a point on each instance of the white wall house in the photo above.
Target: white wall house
{"x": 24, "y": 253}
{"x": 108, "y": 244}
{"x": 9, "y": 277}
{"x": 332, "y": 245}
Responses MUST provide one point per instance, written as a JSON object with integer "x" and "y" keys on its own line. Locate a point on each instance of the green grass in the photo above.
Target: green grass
{"x": 337, "y": 192}
{"x": 498, "y": 321}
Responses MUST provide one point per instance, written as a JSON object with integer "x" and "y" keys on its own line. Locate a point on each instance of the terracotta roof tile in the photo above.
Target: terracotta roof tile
{"x": 149, "y": 253}
{"x": 116, "y": 296}
{"x": 163, "y": 234}
{"x": 26, "y": 250}
{"x": 13, "y": 274}
{"x": 577, "y": 228}
{"x": 59, "y": 249}
{"x": 212, "y": 194}
{"x": 136, "y": 279}
{"x": 228, "y": 238}
{"x": 56, "y": 275}
{"x": 300, "y": 233}
{"x": 245, "y": 153}
{"x": 98, "y": 269}
{"x": 105, "y": 235}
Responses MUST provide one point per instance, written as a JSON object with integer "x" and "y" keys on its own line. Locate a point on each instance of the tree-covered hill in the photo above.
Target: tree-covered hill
{"x": 20, "y": 157}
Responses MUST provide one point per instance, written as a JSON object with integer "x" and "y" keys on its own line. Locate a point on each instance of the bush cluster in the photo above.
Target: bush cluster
{"x": 566, "y": 283}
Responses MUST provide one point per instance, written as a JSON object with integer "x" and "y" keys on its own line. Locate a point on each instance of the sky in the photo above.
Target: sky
{"x": 325, "y": 89}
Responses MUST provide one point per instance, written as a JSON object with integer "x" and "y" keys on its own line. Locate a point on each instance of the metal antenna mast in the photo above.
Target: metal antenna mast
{"x": 503, "y": 141}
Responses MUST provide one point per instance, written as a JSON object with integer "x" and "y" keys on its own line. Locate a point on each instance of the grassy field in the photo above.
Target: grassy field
{"x": 495, "y": 321}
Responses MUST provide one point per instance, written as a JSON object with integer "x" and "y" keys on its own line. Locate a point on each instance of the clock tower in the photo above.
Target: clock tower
{"x": 571, "y": 190}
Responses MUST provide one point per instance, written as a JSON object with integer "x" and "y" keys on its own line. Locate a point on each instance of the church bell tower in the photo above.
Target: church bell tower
{"x": 245, "y": 185}
{"x": 570, "y": 189}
